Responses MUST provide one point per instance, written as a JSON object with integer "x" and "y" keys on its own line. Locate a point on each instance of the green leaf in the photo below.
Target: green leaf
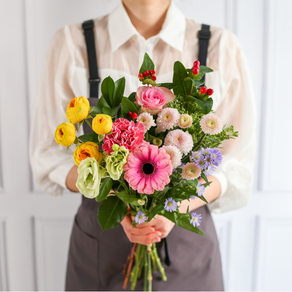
{"x": 190, "y": 98}
{"x": 179, "y": 75}
{"x": 109, "y": 111}
{"x": 204, "y": 69}
{"x": 157, "y": 209}
{"x": 85, "y": 138}
{"x": 167, "y": 85}
{"x": 191, "y": 183}
{"x": 102, "y": 102}
{"x": 127, "y": 106}
{"x": 213, "y": 140}
{"x": 125, "y": 197}
{"x": 203, "y": 199}
{"x": 204, "y": 177}
{"x": 147, "y": 64}
{"x": 94, "y": 110}
{"x": 111, "y": 212}
{"x": 104, "y": 190}
{"x": 197, "y": 83}
{"x": 182, "y": 221}
{"x": 107, "y": 90}
{"x": 205, "y": 105}
{"x": 132, "y": 97}
{"x": 119, "y": 91}
{"x": 94, "y": 137}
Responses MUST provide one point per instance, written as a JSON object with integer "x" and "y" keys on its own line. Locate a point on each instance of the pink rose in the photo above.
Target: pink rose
{"x": 153, "y": 99}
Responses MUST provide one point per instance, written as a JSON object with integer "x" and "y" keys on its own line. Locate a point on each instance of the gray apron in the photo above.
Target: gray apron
{"x": 96, "y": 258}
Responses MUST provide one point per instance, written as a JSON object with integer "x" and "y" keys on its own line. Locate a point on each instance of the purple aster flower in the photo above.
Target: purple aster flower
{"x": 200, "y": 189}
{"x": 193, "y": 197}
{"x": 170, "y": 205}
{"x": 196, "y": 219}
{"x": 210, "y": 169}
{"x": 195, "y": 156}
{"x": 140, "y": 217}
{"x": 216, "y": 156}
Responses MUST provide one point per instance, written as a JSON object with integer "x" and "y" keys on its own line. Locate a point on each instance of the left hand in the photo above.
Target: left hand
{"x": 159, "y": 223}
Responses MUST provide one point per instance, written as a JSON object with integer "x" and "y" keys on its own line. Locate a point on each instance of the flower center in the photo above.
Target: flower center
{"x": 140, "y": 217}
{"x": 211, "y": 124}
{"x": 148, "y": 168}
{"x": 195, "y": 219}
{"x": 61, "y": 133}
{"x": 72, "y": 103}
{"x": 169, "y": 204}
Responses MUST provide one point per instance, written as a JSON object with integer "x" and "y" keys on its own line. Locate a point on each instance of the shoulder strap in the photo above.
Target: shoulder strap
{"x": 204, "y": 36}
{"x": 94, "y": 79}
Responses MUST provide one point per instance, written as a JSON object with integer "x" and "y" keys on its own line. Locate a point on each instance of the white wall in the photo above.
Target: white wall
{"x": 34, "y": 227}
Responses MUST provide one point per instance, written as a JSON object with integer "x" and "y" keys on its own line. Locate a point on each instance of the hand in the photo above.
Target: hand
{"x": 160, "y": 224}
{"x": 143, "y": 234}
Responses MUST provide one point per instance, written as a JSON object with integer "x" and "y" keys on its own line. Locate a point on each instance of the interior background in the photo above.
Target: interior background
{"x": 34, "y": 227}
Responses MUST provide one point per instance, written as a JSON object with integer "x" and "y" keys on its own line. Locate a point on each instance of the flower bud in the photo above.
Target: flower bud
{"x": 65, "y": 134}
{"x": 102, "y": 124}
{"x": 77, "y": 109}
{"x": 157, "y": 142}
{"x": 85, "y": 150}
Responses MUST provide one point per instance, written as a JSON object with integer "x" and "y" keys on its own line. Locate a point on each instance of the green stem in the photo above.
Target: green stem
{"x": 161, "y": 269}
{"x": 134, "y": 276}
{"x": 145, "y": 270}
{"x": 149, "y": 278}
{"x": 88, "y": 123}
{"x": 199, "y": 142}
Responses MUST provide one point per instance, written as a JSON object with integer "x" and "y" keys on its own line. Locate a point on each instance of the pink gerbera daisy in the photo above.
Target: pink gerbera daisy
{"x": 182, "y": 140}
{"x": 211, "y": 124}
{"x": 148, "y": 169}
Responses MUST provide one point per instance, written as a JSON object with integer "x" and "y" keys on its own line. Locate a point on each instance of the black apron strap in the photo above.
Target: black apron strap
{"x": 94, "y": 79}
{"x": 204, "y": 36}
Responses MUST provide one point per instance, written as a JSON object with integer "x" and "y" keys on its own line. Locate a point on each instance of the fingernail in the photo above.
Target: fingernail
{"x": 158, "y": 233}
{"x": 157, "y": 239}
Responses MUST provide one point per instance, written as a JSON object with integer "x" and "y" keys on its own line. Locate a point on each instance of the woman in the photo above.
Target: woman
{"x": 96, "y": 258}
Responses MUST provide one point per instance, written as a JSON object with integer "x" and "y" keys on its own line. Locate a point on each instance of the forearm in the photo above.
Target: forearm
{"x": 212, "y": 192}
{"x": 72, "y": 179}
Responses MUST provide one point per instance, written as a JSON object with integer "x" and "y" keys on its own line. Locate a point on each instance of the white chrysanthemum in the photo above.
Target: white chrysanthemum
{"x": 190, "y": 171}
{"x": 167, "y": 119}
{"x": 185, "y": 121}
{"x": 147, "y": 120}
{"x": 211, "y": 124}
{"x": 180, "y": 139}
{"x": 175, "y": 155}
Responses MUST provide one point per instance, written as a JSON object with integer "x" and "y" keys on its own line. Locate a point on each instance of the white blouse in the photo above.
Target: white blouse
{"x": 120, "y": 50}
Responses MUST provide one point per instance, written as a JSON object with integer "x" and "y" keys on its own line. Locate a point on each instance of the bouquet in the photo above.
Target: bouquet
{"x": 146, "y": 153}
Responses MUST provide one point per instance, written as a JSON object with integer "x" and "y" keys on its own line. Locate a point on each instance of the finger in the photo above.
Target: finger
{"x": 144, "y": 239}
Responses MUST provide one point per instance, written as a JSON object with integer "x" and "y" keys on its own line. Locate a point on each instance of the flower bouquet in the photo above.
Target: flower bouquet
{"x": 146, "y": 153}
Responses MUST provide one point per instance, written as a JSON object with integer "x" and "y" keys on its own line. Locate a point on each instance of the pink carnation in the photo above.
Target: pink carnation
{"x": 153, "y": 99}
{"x": 182, "y": 140}
{"x": 124, "y": 133}
{"x": 148, "y": 169}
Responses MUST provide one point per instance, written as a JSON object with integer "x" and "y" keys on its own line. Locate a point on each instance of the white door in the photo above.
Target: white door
{"x": 34, "y": 227}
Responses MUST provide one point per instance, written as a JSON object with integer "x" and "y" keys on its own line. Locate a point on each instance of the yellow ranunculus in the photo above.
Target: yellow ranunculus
{"x": 85, "y": 150}
{"x": 65, "y": 134}
{"x": 102, "y": 124}
{"x": 77, "y": 109}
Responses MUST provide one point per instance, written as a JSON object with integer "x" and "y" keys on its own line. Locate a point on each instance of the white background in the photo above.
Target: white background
{"x": 255, "y": 241}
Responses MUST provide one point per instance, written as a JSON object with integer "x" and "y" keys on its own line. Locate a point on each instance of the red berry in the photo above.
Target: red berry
{"x": 210, "y": 91}
{"x": 195, "y": 70}
{"x": 197, "y": 63}
{"x": 141, "y": 76}
{"x": 146, "y": 73}
{"x": 134, "y": 116}
{"x": 152, "y": 72}
{"x": 153, "y": 78}
{"x": 130, "y": 114}
{"x": 203, "y": 90}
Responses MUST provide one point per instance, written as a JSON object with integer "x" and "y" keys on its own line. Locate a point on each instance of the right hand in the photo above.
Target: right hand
{"x": 142, "y": 235}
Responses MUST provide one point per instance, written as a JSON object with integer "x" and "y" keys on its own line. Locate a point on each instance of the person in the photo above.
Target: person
{"x": 158, "y": 28}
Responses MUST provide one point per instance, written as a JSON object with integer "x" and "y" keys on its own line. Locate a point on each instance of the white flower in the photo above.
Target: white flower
{"x": 90, "y": 174}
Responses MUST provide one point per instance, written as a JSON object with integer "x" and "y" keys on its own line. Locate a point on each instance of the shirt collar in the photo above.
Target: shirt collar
{"x": 172, "y": 32}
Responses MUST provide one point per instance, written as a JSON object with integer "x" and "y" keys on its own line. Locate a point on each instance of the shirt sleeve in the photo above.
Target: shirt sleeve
{"x": 51, "y": 162}
{"x": 236, "y": 107}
